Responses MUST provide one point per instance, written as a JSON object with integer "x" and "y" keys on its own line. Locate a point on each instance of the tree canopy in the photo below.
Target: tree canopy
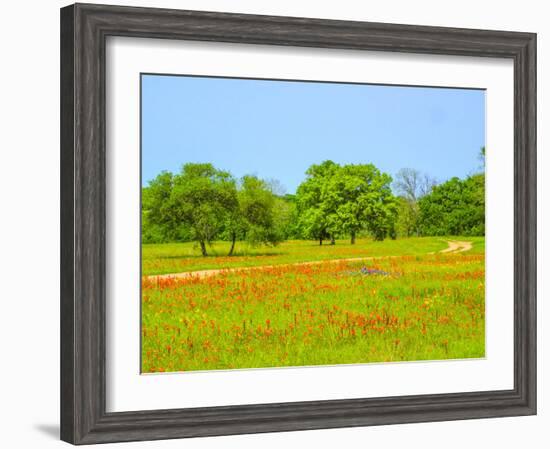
{"x": 456, "y": 207}
{"x": 410, "y": 185}
{"x": 203, "y": 197}
{"x": 335, "y": 200}
{"x": 209, "y": 203}
{"x": 316, "y": 214}
{"x": 254, "y": 218}
{"x": 203, "y": 203}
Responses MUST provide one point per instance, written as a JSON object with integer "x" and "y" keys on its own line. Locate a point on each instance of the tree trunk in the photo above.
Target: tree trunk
{"x": 233, "y": 239}
{"x": 320, "y": 241}
{"x": 332, "y": 240}
{"x": 203, "y": 248}
{"x": 353, "y": 237}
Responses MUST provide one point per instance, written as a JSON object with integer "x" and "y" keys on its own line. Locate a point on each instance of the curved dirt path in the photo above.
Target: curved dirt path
{"x": 453, "y": 248}
{"x": 457, "y": 247}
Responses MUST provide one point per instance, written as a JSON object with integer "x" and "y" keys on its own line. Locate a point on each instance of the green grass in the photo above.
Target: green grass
{"x": 478, "y": 244}
{"x": 427, "y": 307}
{"x": 183, "y": 257}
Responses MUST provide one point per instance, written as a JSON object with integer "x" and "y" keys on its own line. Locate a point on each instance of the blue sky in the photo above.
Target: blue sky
{"x": 277, "y": 129}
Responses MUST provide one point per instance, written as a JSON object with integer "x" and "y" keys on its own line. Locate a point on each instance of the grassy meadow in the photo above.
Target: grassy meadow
{"x": 298, "y": 304}
{"x": 182, "y": 257}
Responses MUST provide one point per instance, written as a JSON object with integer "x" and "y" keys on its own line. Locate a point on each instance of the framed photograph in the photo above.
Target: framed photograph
{"x": 274, "y": 223}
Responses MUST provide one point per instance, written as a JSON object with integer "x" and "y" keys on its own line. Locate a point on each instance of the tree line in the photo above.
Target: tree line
{"x": 203, "y": 203}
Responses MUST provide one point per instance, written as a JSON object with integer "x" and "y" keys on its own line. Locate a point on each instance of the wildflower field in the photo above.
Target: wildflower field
{"x": 301, "y": 304}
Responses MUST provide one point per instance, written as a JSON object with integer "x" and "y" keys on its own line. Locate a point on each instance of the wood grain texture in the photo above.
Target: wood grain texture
{"x": 84, "y": 29}
{"x": 67, "y": 226}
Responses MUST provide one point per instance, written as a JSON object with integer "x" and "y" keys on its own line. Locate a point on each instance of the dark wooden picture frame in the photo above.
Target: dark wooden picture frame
{"x": 84, "y": 29}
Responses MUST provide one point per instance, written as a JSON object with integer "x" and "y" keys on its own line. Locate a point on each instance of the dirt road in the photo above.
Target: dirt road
{"x": 454, "y": 247}
{"x": 457, "y": 247}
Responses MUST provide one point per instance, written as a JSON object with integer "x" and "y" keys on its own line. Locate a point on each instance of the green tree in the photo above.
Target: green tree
{"x": 364, "y": 201}
{"x": 157, "y": 217}
{"x": 203, "y": 197}
{"x": 456, "y": 207}
{"x": 285, "y": 217}
{"x": 336, "y": 200}
{"x": 407, "y": 217}
{"x": 410, "y": 185}
{"x": 316, "y": 215}
{"x": 254, "y": 220}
